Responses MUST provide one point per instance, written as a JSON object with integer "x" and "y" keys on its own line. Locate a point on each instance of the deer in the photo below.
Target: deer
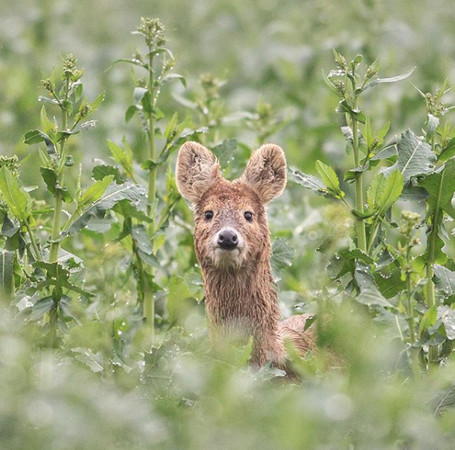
{"x": 232, "y": 245}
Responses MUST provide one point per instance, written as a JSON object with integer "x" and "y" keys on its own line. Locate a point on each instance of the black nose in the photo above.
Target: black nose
{"x": 227, "y": 239}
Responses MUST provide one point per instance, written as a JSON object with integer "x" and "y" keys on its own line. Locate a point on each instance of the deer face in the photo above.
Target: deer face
{"x": 230, "y": 221}
{"x": 230, "y": 226}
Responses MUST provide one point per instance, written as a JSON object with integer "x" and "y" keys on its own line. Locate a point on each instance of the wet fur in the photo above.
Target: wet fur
{"x": 241, "y": 298}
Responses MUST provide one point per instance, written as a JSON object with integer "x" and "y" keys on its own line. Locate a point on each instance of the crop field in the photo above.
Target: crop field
{"x": 104, "y": 340}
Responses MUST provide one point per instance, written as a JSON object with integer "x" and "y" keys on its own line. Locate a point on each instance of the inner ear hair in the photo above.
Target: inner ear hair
{"x": 266, "y": 172}
{"x": 197, "y": 168}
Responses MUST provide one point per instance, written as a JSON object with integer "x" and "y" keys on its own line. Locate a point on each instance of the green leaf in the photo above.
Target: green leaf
{"x": 15, "y": 198}
{"x": 369, "y": 292}
{"x": 384, "y": 191}
{"x": 51, "y": 180}
{"x": 178, "y": 297}
{"x": 307, "y": 181}
{"x": 401, "y": 77}
{"x": 329, "y": 178}
{"x": 92, "y": 360}
{"x": 7, "y": 273}
{"x": 95, "y": 191}
{"x": 282, "y": 254}
{"x": 147, "y": 102}
{"x": 97, "y": 102}
{"x": 171, "y": 126}
{"x": 415, "y": 156}
{"x": 174, "y": 76}
{"x": 444, "y": 281}
{"x": 129, "y": 194}
{"x": 345, "y": 107}
{"x": 448, "y": 151}
{"x": 447, "y": 315}
{"x": 144, "y": 245}
{"x": 47, "y": 125}
{"x": 431, "y": 125}
{"x": 444, "y": 400}
{"x": 103, "y": 170}
{"x": 428, "y": 320}
{"x": 441, "y": 187}
{"x": 390, "y": 285}
{"x": 41, "y": 307}
{"x": 130, "y": 112}
{"x": 124, "y": 157}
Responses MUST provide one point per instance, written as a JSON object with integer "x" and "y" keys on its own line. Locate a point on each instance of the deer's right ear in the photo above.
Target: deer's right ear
{"x": 196, "y": 169}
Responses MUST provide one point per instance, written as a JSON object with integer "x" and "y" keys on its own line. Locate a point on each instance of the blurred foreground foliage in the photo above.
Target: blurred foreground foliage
{"x": 253, "y": 73}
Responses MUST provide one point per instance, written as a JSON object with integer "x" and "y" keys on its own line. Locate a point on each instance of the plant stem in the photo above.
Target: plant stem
{"x": 55, "y": 245}
{"x": 373, "y": 234}
{"x": 148, "y": 297}
{"x": 414, "y": 352}
{"x": 431, "y": 258}
{"x": 360, "y": 223}
{"x": 34, "y": 244}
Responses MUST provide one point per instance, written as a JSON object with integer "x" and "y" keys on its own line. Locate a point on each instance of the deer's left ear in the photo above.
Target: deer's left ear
{"x": 266, "y": 172}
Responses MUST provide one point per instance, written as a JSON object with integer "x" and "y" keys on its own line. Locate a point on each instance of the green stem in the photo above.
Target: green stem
{"x": 53, "y": 325}
{"x": 55, "y": 245}
{"x": 431, "y": 259}
{"x": 413, "y": 351}
{"x": 34, "y": 244}
{"x": 360, "y": 223}
{"x": 373, "y": 235}
{"x": 56, "y": 225}
{"x": 148, "y": 297}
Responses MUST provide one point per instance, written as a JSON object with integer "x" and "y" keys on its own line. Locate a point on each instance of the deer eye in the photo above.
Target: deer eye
{"x": 208, "y": 215}
{"x": 248, "y": 216}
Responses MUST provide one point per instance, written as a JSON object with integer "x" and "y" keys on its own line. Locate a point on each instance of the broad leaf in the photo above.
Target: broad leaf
{"x": 15, "y": 198}
{"x": 415, "y": 156}
{"x": 441, "y": 187}
{"x": 95, "y": 191}
{"x": 144, "y": 245}
{"x": 124, "y": 157}
{"x": 444, "y": 281}
{"x": 444, "y": 400}
{"x": 384, "y": 191}
{"x": 369, "y": 292}
{"x": 41, "y": 307}
{"x": 178, "y": 297}
{"x": 282, "y": 254}
{"x": 51, "y": 180}
{"x": 92, "y": 360}
{"x": 447, "y": 316}
{"x": 307, "y": 181}
{"x": 390, "y": 285}
{"x": 103, "y": 170}
{"x": 132, "y": 194}
{"x": 329, "y": 178}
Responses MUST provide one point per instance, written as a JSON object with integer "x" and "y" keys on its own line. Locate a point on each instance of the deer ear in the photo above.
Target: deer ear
{"x": 266, "y": 172}
{"x": 196, "y": 169}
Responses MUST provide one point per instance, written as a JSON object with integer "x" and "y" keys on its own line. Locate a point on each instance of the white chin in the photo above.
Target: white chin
{"x": 227, "y": 258}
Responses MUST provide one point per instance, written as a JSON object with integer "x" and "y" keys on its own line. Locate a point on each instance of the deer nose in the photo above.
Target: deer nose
{"x": 227, "y": 239}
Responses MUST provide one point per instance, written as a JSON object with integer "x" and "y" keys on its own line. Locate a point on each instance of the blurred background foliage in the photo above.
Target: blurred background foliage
{"x": 262, "y": 63}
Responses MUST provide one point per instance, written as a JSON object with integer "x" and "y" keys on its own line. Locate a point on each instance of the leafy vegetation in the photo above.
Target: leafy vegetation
{"x": 104, "y": 341}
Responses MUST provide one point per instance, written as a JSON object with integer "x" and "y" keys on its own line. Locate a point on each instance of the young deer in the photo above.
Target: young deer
{"x": 232, "y": 243}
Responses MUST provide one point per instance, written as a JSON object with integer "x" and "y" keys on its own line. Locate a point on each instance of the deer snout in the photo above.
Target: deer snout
{"x": 227, "y": 239}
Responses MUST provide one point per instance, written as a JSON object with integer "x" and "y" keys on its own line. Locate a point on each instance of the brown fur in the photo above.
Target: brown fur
{"x": 241, "y": 299}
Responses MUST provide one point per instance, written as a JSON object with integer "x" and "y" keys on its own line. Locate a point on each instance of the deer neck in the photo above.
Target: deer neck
{"x": 245, "y": 296}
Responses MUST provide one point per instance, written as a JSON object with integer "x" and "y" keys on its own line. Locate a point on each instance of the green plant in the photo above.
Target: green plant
{"x": 388, "y": 277}
{"x": 44, "y": 273}
{"x": 146, "y": 233}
